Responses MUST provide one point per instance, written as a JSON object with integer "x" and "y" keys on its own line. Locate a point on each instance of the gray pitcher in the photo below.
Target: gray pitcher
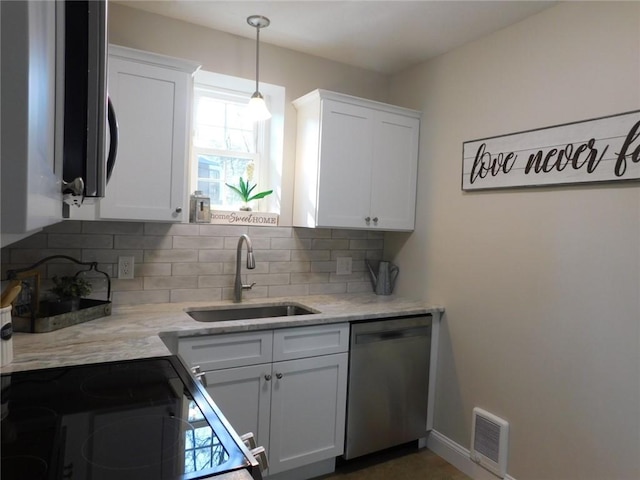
{"x": 385, "y": 280}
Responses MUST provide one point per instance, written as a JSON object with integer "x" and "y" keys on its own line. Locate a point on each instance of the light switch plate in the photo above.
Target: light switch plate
{"x": 344, "y": 265}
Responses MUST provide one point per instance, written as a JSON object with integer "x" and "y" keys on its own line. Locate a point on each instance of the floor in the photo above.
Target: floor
{"x": 405, "y": 463}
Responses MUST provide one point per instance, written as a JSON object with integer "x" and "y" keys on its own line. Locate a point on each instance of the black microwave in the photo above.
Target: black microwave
{"x": 90, "y": 123}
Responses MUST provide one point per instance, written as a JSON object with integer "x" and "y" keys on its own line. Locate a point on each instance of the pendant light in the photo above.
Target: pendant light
{"x": 257, "y": 108}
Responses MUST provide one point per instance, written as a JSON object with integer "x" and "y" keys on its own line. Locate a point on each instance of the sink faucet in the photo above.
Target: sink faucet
{"x": 251, "y": 264}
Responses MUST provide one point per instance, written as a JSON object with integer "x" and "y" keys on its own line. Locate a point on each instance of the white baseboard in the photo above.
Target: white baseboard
{"x": 459, "y": 457}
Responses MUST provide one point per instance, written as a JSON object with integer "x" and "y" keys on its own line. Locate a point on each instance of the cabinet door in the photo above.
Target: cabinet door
{"x": 149, "y": 178}
{"x": 308, "y": 406}
{"x": 31, "y": 133}
{"x": 345, "y": 165}
{"x": 310, "y": 341}
{"x": 243, "y": 395}
{"x": 214, "y": 352}
{"x": 395, "y": 169}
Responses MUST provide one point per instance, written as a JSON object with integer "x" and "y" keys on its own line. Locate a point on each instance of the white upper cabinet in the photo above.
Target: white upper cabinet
{"x": 151, "y": 95}
{"x": 31, "y": 134}
{"x": 395, "y": 170}
{"x": 356, "y": 163}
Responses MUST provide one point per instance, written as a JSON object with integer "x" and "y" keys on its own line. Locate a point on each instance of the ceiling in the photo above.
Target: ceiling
{"x": 383, "y": 36}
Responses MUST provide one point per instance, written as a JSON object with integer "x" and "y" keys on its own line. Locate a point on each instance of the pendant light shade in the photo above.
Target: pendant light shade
{"x": 257, "y": 109}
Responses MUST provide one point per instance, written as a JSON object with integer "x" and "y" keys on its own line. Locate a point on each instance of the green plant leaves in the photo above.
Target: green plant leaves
{"x": 260, "y": 195}
{"x": 69, "y": 287}
{"x": 244, "y": 191}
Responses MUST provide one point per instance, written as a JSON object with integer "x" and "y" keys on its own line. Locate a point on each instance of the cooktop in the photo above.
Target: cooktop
{"x": 142, "y": 419}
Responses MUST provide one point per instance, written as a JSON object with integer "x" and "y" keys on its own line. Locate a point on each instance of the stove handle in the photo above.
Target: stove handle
{"x": 259, "y": 453}
{"x": 202, "y": 378}
{"x": 200, "y": 375}
{"x": 249, "y": 440}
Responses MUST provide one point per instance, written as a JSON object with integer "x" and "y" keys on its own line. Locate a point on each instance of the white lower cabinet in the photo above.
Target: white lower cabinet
{"x": 307, "y": 411}
{"x": 244, "y": 396}
{"x": 295, "y": 404}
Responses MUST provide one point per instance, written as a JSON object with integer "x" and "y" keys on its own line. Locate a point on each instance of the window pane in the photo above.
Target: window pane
{"x": 216, "y": 170}
{"x": 236, "y": 118}
{"x": 210, "y": 111}
{"x": 240, "y": 141}
{"x": 208, "y": 136}
{"x": 221, "y": 124}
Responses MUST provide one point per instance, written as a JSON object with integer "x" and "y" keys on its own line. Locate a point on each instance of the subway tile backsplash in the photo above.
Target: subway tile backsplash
{"x": 182, "y": 263}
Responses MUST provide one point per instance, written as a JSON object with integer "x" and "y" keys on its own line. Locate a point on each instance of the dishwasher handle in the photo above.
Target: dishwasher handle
{"x": 386, "y": 335}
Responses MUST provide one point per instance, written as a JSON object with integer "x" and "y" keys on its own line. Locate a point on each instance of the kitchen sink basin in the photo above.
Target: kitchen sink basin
{"x": 222, "y": 314}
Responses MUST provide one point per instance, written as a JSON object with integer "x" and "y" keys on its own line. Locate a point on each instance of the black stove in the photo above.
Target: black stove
{"x": 144, "y": 419}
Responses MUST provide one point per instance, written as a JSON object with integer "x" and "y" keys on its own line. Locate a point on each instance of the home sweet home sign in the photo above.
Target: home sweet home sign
{"x": 598, "y": 150}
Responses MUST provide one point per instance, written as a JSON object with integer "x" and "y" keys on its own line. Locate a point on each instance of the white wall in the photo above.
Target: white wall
{"x": 232, "y": 55}
{"x": 540, "y": 286}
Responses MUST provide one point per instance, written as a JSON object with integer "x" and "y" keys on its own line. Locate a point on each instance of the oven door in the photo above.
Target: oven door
{"x": 142, "y": 419}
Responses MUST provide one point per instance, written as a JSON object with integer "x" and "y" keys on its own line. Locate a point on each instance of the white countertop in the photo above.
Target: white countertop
{"x": 135, "y": 331}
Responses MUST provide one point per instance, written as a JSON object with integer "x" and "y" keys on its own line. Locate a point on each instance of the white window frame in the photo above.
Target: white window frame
{"x": 270, "y": 133}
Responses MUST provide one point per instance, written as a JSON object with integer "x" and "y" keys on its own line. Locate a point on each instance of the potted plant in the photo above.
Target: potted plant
{"x": 244, "y": 191}
{"x": 68, "y": 290}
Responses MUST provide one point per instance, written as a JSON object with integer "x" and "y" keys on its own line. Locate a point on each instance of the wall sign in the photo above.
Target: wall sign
{"x": 598, "y": 150}
{"x": 223, "y": 217}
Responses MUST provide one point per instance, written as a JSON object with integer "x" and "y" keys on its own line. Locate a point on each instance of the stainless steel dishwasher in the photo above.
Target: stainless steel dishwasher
{"x": 388, "y": 384}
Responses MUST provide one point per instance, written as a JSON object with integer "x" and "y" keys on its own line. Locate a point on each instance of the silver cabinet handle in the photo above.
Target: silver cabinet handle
{"x": 278, "y": 376}
{"x": 267, "y": 377}
{"x": 367, "y": 219}
{"x": 375, "y": 219}
{"x": 178, "y": 209}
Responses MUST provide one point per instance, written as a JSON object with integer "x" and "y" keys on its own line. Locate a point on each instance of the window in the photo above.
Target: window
{"x": 226, "y": 146}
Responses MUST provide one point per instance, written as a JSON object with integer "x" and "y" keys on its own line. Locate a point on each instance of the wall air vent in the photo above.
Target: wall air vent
{"x": 489, "y": 437}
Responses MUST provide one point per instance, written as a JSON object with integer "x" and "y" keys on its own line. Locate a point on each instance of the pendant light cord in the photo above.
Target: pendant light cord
{"x": 257, "y": 56}
{"x": 258, "y": 22}
{"x": 257, "y": 106}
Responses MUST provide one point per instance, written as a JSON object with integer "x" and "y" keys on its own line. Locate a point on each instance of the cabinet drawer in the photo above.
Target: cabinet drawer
{"x": 229, "y": 350}
{"x": 300, "y": 342}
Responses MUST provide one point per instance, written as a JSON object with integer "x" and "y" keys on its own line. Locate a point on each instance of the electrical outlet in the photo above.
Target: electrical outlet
{"x": 344, "y": 265}
{"x": 125, "y": 267}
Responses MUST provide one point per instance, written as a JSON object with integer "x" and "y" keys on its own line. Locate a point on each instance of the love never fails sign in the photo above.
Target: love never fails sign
{"x": 599, "y": 150}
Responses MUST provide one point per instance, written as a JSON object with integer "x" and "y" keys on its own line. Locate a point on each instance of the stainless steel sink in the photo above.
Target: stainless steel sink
{"x": 241, "y": 312}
